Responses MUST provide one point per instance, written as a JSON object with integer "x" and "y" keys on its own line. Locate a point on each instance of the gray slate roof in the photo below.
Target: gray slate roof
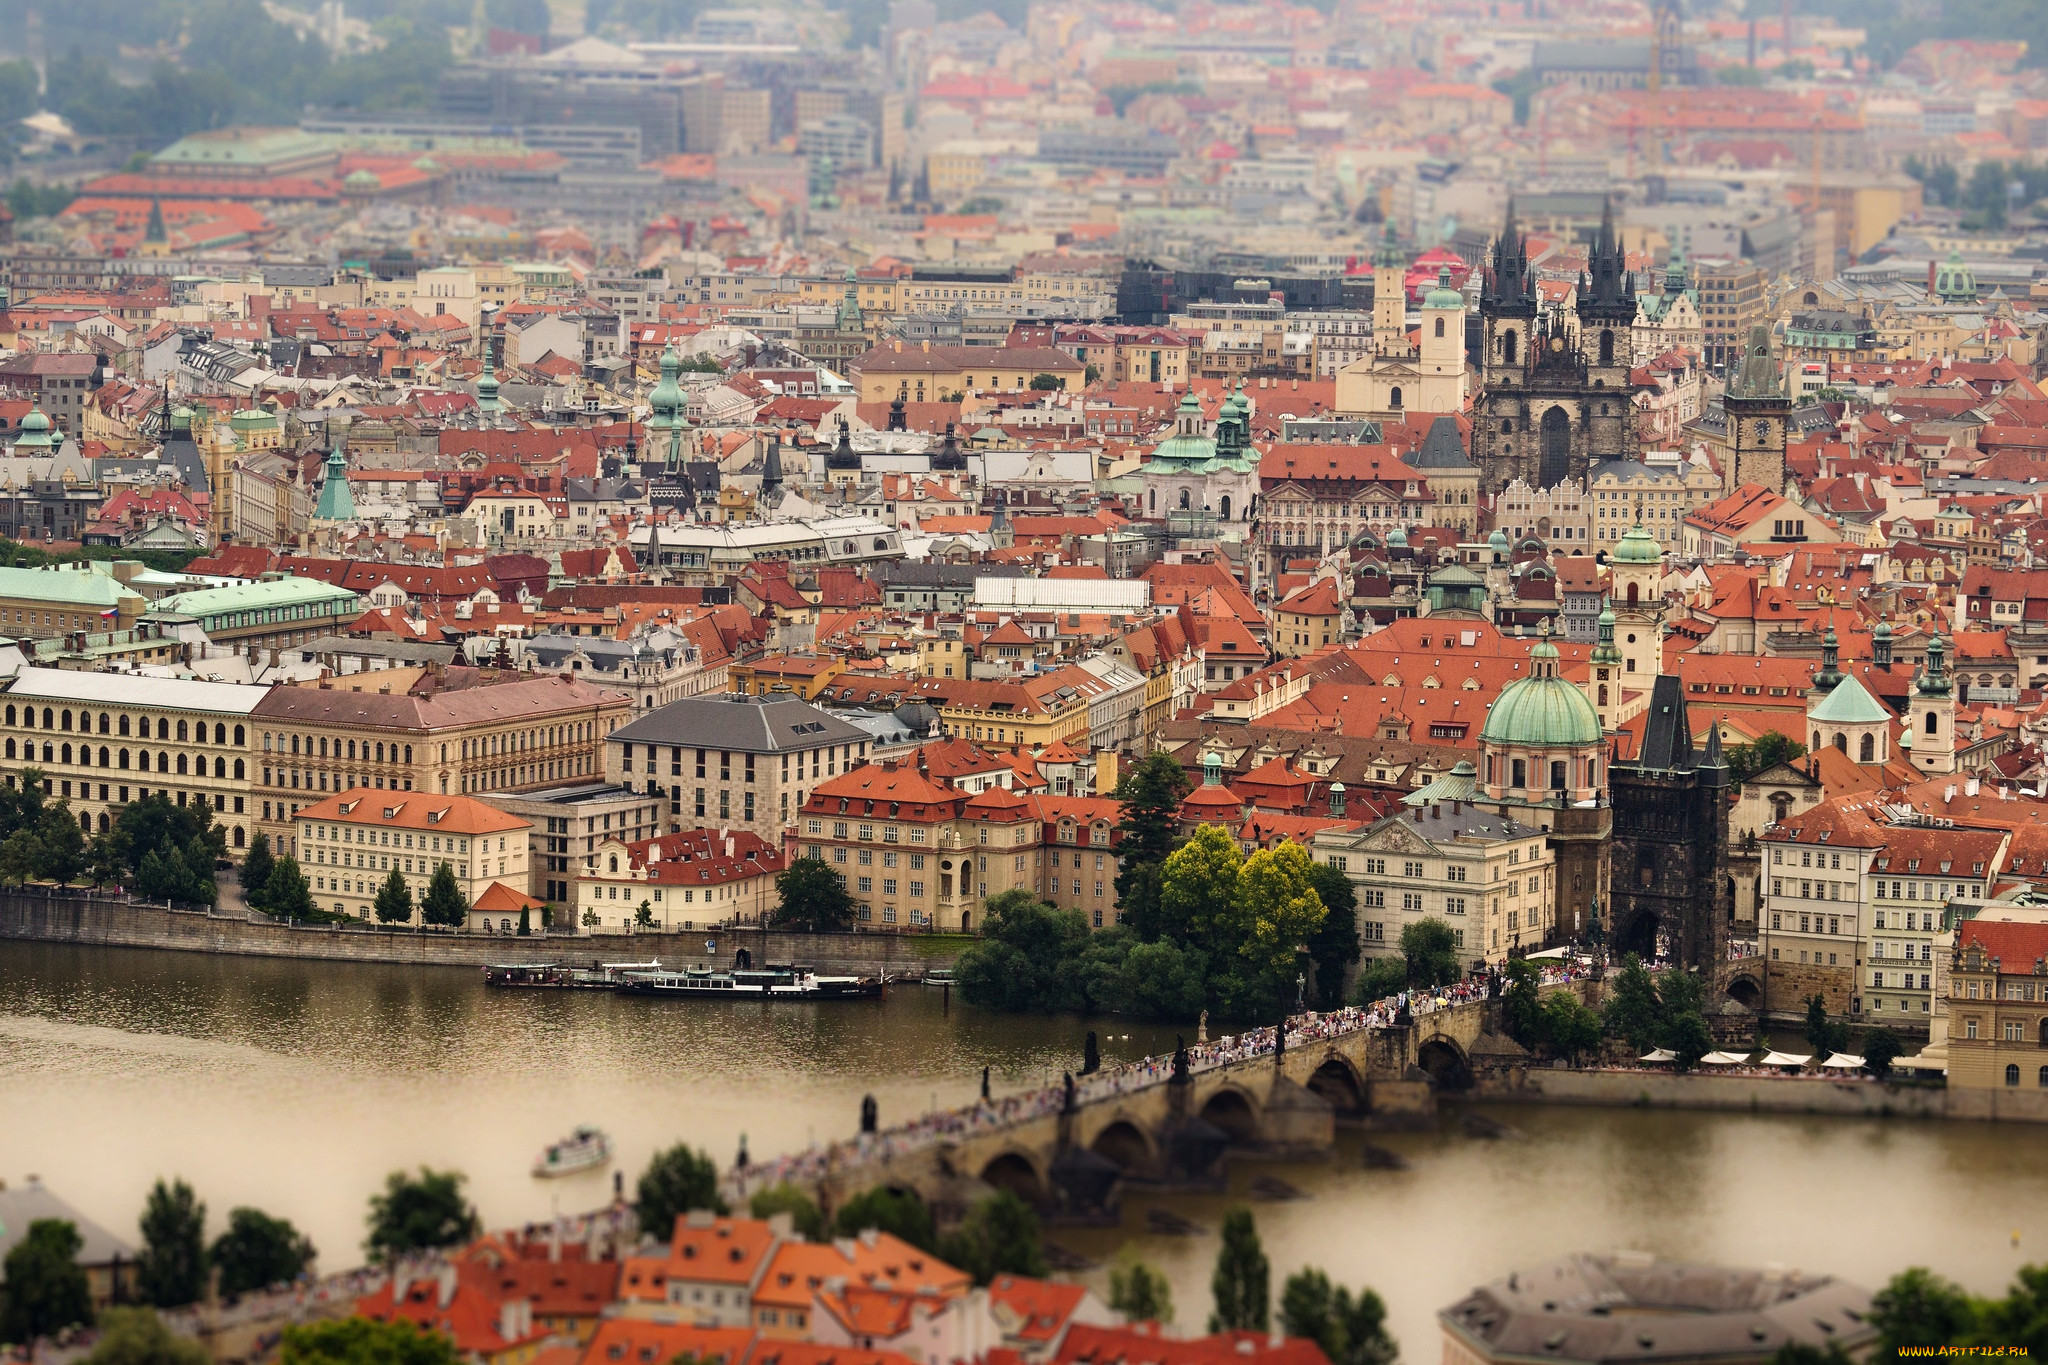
{"x": 747, "y": 725}
{"x": 29, "y": 1203}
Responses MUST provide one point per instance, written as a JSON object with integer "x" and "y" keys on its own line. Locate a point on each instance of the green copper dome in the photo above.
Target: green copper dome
{"x": 1498, "y": 541}
{"x": 1443, "y": 296}
{"x": 1638, "y": 547}
{"x": 1542, "y": 711}
{"x": 1397, "y": 539}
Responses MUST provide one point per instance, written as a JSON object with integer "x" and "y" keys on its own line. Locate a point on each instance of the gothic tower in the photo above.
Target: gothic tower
{"x": 1757, "y": 409}
{"x": 1670, "y": 881}
{"x": 1554, "y": 397}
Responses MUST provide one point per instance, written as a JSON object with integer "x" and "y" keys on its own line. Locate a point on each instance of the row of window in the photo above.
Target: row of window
{"x": 111, "y": 723}
{"x": 194, "y": 765}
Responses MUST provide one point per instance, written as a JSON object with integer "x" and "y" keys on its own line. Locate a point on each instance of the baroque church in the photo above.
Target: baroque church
{"x": 1554, "y": 395}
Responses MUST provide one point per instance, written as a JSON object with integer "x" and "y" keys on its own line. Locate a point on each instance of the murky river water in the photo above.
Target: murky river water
{"x": 296, "y": 1086}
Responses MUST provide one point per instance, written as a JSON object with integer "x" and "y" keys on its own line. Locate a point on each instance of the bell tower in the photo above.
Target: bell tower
{"x": 1502, "y": 444}
{"x": 1758, "y": 409}
{"x": 1607, "y": 313}
{"x": 1932, "y": 715}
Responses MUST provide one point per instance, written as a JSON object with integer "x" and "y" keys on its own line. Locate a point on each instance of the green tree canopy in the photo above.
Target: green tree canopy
{"x": 137, "y": 1336}
{"x": 1633, "y": 1011}
{"x": 171, "y": 1271}
{"x": 257, "y": 865}
{"x": 812, "y": 897}
{"x": 999, "y": 1236}
{"x": 258, "y": 1251}
{"x": 805, "y": 1218}
{"x": 1241, "y": 1285}
{"x": 896, "y": 1212}
{"x": 1148, "y": 796}
{"x": 675, "y": 1182}
{"x": 1198, "y": 890}
{"x": 363, "y": 1341}
{"x": 1137, "y": 1291}
{"x": 1919, "y": 1308}
{"x": 1334, "y": 946}
{"x": 422, "y": 1214}
{"x": 394, "y": 899}
{"x": 1433, "y": 956}
{"x": 1276, "y": 898}
{"x": 45, "y": 1288}
{"x": 443, "y": 904}
{"x": 1351, "y": 1330}
{"x": 1880, "y": 1048}
{"x": 1761, "y": 754}
{"x": 1028, "y": 958}
{"x": 286, "y": 893}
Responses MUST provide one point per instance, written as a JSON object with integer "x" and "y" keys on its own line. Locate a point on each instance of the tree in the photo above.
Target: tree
{"x": 286, "y": 893}
{"x": 1091, "y": 374}
{"x": 1431, "y": 949}
{"x": 1159, "y": 980}
{"x": 1149, "y": 797}
{"x": 45, "y": 1287}
{"x": 61, "y": 845}
{"x": 525, "y": 921}
{"x": 137, "y": 1336}
{"x": 1334, "y": 946}
{"x": 171, "y": 1271}
{"x": 813, "y": 897}
{"x": 156, "y": 821}
{"x": 1351, "y": 1331}
{"x": 364, "y": 1341}
{"x": 591, "y": 919}
{"x": 1047, "y": 383}
{"x": 100, "y": 863}
{"x": 676, "y": 1181}
{"x": 2021, "y": 1317}
{"x": 805, "y": 1218}
{"x": 1241, "y": 1285}
{"x": 1918, "y": 1308}
{"x": 1029, "y": 956}
{"x": 1570, "y": 1029}
{"x": 643, "y": 917}
{"x": 1198, "y": 890}
{"x": 1632, "y": 1011}
{"x": 999, "y": 1236}
{"x": 20, "y": 854}
{"x": 899, "y": 1213}
{"x": 1137, "y": 1291}
{"x": 419, "y": 1215}
{"x": 1277, "y": 899}
{"x": 1379, "y": 978}
{"x": 1880, "y": 1047}
{"x": 1521, "y": 1004}
{"x": 1823, "y": 1034}
{"x": 257, "y": 866}
{"x": 443, "y": 903}
{"x": 1761, "y": 754}
{"x": 258, "y": 1251}
{"x": 394, "y": 900}
{"x": 1687, "y": 1035}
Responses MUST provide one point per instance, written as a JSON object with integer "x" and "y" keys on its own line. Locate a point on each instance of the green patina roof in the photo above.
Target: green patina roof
{"x": 1849, "y": 704}
{"x": 281, "y": 592}
{"x": 337, "y": 501}
{"x": 1638, "y": 547}
{"x": 1544, "y": 711}
{"x": 1456, "y": 785}
{"x": 242, "y": 147}
{"x": 1443, "y": 296}
{"x": 63, "y": 587}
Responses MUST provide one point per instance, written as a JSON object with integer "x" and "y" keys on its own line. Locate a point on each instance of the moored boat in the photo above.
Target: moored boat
{"x": 777, "y": 982}
{"x": 583, "y": 1150}
{"x": 599, "y": 976}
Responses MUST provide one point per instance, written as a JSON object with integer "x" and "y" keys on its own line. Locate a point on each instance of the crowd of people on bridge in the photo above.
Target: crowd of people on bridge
{"x": 991, "y": 1113}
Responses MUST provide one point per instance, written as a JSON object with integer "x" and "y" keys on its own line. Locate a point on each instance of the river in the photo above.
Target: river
{"x": 295, "y": 1086}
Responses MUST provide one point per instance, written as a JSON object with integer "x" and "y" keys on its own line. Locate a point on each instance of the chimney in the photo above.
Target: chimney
{"x": 729, "y": 846}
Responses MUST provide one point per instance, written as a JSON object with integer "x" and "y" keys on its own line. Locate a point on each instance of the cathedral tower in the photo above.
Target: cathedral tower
{"x": 1758, "y": 410}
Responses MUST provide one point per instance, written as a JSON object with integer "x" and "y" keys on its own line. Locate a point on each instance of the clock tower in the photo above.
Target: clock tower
{"x": 1758, "y": 410}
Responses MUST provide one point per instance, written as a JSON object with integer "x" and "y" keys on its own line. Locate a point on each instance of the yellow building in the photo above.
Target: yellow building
{"x": 351, "y": 843}
{"x": 927, "y": 373}
{"x": 1030, "y": 713}
{"x": 916, "y": 851}
{"x": 801, "y": 675}
{"x": 689, "y": 878}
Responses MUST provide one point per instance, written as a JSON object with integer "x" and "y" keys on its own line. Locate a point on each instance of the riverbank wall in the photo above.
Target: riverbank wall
{"x": 122, "y": 922}
{"x": 1759, "y": 1095}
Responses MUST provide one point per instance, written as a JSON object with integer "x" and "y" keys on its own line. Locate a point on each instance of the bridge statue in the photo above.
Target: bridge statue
{"x": 1091, "y": 1056}
{"x": 1067, "y": 1099}
{"x": 869, "y": 1115}
{"x": 984, "y": 1083}
{"x": 1180, "y": 1058}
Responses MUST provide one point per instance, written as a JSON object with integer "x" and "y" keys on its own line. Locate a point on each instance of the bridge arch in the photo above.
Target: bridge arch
{"x": 1338, "y": 1081}
{"x": 1746, "y": 990}
{"x": 1015, "y": 1171}
{"x": 1233, "y": 1111}
{"x": 1448, "y": 1066}
{"x": 1126, "y": 1143}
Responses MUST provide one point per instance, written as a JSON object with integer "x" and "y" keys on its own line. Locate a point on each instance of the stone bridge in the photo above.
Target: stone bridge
{"x": 1140, "y": 1124}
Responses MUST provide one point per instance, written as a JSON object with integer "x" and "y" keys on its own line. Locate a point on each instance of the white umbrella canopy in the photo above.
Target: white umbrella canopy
{"x": 1844, "y": 1061}
{"x": 1658, "y": 1054}
{"x": 1724, "y": 1059}
{"x": 1784, "y": 1059}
